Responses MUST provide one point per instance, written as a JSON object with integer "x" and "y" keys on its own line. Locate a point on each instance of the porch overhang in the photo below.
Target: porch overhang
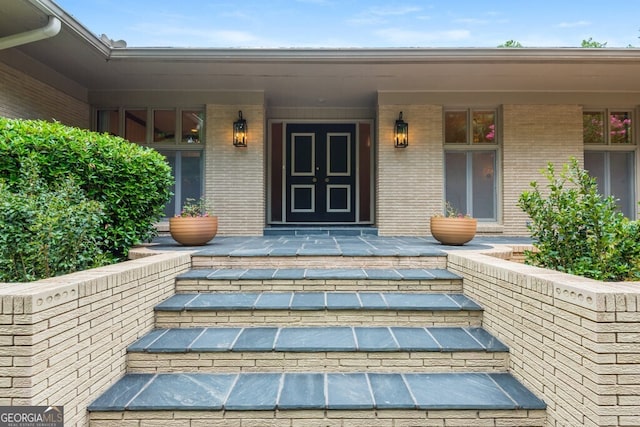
{"x": 300, "y": 77}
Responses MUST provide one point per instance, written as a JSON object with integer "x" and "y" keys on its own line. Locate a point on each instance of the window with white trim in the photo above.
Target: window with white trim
{"x": 176, "y": 133}
{"x": 471, "y": 159}
{"x": 610, "y": 153}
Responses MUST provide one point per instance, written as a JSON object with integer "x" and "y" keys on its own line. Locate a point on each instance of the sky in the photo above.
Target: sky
{"x": 358, "y": 23}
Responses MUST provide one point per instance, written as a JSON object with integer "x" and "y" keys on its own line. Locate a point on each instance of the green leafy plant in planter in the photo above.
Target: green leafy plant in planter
{"x": 577, "y": 230}
{"x": 454, "y": 228}
{"x": 194, "y": 226}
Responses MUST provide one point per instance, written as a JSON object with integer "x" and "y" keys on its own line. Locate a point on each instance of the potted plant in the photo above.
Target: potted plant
{"x": 194, "y": 226}
{"x": 453, "y": 228}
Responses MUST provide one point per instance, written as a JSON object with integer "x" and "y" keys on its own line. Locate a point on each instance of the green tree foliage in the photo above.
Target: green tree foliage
{"x": 593, "y": 44}
{"x": 578, "y": 231}
{"x": 47, "y": 230}
{"x": 511, "y": 44}
{"x": 131, "y": 182}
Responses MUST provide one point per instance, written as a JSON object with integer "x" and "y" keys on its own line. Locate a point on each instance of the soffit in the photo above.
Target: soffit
{"x": 313, "y": 77}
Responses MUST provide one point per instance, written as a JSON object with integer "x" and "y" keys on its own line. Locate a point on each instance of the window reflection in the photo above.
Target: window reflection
{"x": 616, "y": 130}
{"x": 135, "y": 125}
{"x": 108, "y": 121}
{"x": 593, "y": 127}
{"x": 164, "y": 126}
{"x": 620, "y": 128}
{"x": 484, "y": 126}
{"x": 455, "y": 127}
{"x": 192, "y": 122}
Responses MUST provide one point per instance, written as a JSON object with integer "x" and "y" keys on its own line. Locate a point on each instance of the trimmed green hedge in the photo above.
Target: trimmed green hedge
{"x": 47, "y": 230}
{"x": 132, "y": 183}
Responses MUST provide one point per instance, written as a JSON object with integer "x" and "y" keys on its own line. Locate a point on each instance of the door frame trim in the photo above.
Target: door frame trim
{"x": 269, "y": 170}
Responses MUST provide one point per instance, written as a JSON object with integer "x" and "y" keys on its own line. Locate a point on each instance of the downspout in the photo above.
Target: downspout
{"x": 51, "y": 29}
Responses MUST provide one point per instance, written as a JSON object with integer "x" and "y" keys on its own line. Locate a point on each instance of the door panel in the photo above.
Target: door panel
{"x": 320, "y": 173}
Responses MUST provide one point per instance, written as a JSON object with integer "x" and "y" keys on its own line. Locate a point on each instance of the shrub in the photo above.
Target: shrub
{"x": 131, "y": 182}
{"x": 578, "y": 231}
{"x": 47, "y": 231}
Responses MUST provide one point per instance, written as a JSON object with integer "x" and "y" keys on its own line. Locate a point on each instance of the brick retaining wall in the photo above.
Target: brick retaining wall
{"x": 575, "y": 342}
{"x": 63, "y": 340}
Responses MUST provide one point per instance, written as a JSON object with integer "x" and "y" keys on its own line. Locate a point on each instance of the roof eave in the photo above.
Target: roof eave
{"x": 50, "y": 8}
{"x": 381, "y": 55}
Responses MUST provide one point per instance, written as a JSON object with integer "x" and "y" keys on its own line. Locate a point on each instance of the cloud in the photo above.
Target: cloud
{"x": 184, "y": 36}
{"x": 573, "y": 24}
{"x": 393, "y": 11}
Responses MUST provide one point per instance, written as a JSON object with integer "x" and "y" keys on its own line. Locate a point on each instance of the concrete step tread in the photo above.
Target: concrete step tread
{"x": 318, "y": 339}
{"x": 331, "y": 391}
{"x": 319, "y": 274}
{"x": 318, "y": 301}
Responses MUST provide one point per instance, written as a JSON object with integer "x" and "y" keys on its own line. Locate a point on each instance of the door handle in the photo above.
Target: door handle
{"x": 314, "y": 180}
{"x": 326, "y": 180}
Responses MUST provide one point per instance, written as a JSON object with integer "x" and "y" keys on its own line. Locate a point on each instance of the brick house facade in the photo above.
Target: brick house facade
{"x": 536, "y": 102}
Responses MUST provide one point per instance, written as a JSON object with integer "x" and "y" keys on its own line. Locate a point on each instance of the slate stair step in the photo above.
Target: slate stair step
{"x": 318, "y": 339}
{"x": 317, "y": 308}
{"x": 311, "y": 390}
{"x": 325, "y": 349}
{"x": 319, "y": 279}
{"x": 318, "y": 301}
{"x": 320, "y": 274}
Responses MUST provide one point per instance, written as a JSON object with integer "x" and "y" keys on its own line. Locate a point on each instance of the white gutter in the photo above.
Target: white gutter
{"x": 376, "y": 55}
{"x": 50, "y": 8}
{"x": 50, "y": 30}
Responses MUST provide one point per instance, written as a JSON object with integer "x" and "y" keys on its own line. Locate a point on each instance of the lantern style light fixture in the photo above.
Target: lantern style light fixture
{"x": 401, "y": 129}
{"x": 240, "y": 131}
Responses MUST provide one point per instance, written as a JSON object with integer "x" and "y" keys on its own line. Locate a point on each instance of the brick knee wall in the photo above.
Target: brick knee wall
{"x": 63, "y": 340}
{"x": 573, "y": 341}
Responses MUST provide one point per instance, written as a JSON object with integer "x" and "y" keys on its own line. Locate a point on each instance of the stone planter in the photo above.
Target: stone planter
{"x": 193, "y": 231}
{"x": 453, "y": 231}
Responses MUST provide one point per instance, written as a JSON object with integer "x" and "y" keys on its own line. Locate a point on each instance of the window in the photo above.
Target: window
{"x": 187, "y": 170}
{"x": 135, "y": 125}
{"x": 471, "y": 153}
{"x": 610, "y": 155}
{"x": 616, "y": 130}
{"x": 176, "y": 133}
{"x": 108, "y": 121}
{"x": 164, "y": 126}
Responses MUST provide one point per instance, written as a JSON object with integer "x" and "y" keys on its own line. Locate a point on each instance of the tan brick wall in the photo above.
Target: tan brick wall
{"x": 319, "y": 418}
{"x": 243, "y": 318}
{"x": 409, "y": 180}
{"x": 235, "y": 177}
{"x": 63, "y": 340}
{"x": 207, "y": 285}
{"x": 335, "y": 361}
{"x": 533, "y": 136}
{"x": 24, "y": 97}
{"x": 575, "y": 342}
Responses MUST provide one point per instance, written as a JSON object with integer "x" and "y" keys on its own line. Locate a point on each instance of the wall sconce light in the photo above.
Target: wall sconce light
{"x": 240, "y": 131}
{"x": 401, "y": 133}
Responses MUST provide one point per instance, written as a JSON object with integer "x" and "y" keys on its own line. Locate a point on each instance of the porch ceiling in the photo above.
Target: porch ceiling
{"x": 314, "y": 77}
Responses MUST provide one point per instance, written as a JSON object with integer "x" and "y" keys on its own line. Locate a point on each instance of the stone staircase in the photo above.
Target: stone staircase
{"x": 318, "y": 338}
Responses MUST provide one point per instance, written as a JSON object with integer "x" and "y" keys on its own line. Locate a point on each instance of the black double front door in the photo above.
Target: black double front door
{"x": 320, "y": 184}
